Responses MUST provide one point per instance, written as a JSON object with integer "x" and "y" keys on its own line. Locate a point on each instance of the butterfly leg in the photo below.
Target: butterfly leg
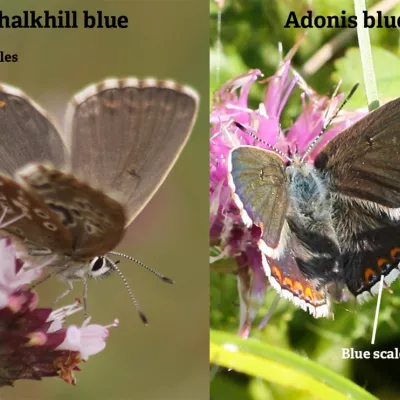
{"x": 40, "y": 252}
{"x": 85, "y": 298}
{"x": 69, "y": 284}
{"x": 39, "y": 282}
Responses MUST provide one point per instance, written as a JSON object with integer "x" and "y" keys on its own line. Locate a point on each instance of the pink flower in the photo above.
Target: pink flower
{"x": 227, "y": 229}
{"x": 12, "y": 275}
{"x": 88, "y": 340}
{"x": 33, "y": 343}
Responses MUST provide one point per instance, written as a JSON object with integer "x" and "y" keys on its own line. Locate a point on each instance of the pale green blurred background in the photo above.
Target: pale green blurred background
{"x": 168, "y": 359}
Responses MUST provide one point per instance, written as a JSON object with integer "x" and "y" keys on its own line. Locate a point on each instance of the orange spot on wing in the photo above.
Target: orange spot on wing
{"x": 287, "y": 283}
{"x": 2, "y": 104}
{"x": 367, "y": 275}
{"x": 309, "y": 293}
{"x": 298, "y": 288}
{"x": 395, "y": 252}
{"x": 382, "y": 261}
{"x": 111, "y": 104}
{"x": 277, "y": 273}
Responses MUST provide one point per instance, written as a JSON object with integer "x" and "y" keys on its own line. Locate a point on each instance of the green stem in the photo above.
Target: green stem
{"x": 364, "y": 43}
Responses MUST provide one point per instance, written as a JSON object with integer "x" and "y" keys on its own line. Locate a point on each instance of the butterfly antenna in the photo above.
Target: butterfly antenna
{"x": 273, "y": 148}
{"x": 128, "y": 288}
{"x": 40, "y": 281}
{"x": 318, "y": 137}
{"x": 153, "y": 271}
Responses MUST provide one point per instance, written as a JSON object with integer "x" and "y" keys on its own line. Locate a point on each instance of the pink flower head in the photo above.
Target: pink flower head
{"x": 33, "y": 343}
{"x": 236, "y": 237}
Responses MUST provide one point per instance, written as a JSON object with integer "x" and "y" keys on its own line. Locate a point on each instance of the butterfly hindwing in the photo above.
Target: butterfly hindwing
{"x": 152, "y": 119}
{"x": 32, "y": 222}
{"x": 287, "y": 278}
{"x": 96, "y": 222}
{"x": 370, "y": 244}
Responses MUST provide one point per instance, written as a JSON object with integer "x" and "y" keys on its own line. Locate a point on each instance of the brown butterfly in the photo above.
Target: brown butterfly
{"x": 328, "y": 223}
{"x": 122, "y": 136}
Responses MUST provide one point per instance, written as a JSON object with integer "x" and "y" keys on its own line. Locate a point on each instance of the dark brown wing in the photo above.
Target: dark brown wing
{"x": 364, "y": 160}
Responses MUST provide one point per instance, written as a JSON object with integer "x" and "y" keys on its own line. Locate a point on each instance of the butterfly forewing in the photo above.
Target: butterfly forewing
{"x": 26, "y": 133}
{"x": 260, "y": 182}
{"x": 363, "y": 161}
{"x": 125, "y": 136}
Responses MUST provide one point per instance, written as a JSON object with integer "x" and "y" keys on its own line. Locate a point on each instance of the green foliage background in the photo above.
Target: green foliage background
{"x": 251, "y": 31}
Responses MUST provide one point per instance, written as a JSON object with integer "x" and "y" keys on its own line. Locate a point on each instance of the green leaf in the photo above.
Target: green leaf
{"x": 281, "y": 367}
{"x": 387, "y": 73}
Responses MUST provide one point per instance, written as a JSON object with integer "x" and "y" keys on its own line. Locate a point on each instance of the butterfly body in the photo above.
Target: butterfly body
{"x": 328, "y": 222}
{"x": 309, "y": 217}
{"x": 309, "y": 198}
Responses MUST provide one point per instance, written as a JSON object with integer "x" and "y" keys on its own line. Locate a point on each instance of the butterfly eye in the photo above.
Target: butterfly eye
{"x": 99, "y": 268}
